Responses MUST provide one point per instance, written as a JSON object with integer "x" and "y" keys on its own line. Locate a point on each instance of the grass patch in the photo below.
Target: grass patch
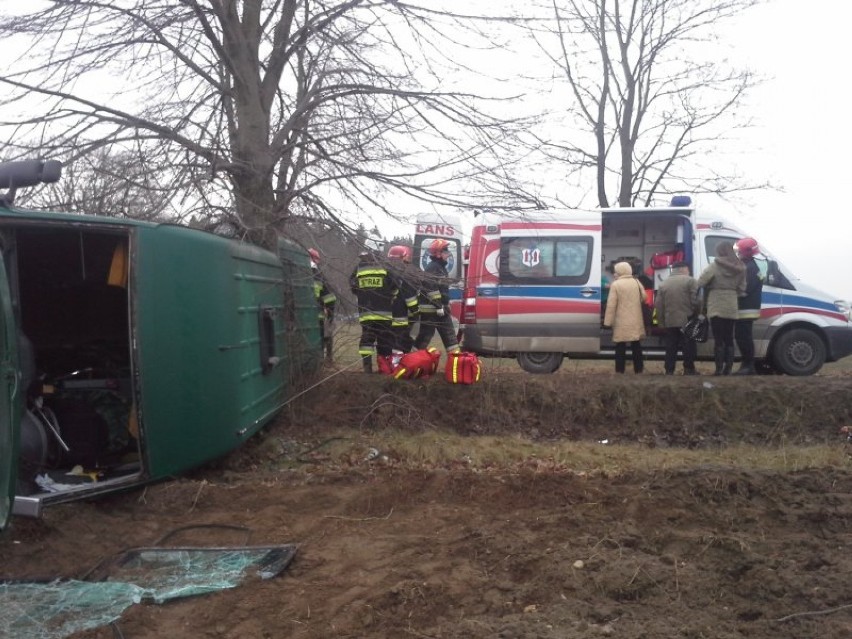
{"x": 484, "y": 453}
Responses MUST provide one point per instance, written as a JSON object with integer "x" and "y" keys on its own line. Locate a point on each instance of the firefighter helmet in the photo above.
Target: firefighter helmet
{"x": 746, "y": 247}
{"x": 400, "y": 252}
{"x": 437, "y": 246}
{"x": 315, "y": 257}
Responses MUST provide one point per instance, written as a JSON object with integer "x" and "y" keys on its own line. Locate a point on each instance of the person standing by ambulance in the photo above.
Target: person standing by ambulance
{"x": 405, "y": 304}
{"x": 724, "y": 281}
{"x": 624, "y": 317}
{"x": 748, "y": 305}
{"x": 326, "y": 303}
{"x": 676, "y": 302}
{"x": 435, "y": 300}
{"x": 375, "y": 288}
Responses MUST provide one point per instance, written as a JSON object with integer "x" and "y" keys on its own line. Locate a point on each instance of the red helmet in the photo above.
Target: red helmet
{"x": 437, "y": 246}
{"x": 315, "y": 256}
{"x": 746, "y": 247}
{"x": 400, "y": 252}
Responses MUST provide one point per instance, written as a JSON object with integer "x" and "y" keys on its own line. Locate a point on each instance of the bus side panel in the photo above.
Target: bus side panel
{"x": 208, "y": 381}
{"x": 10, "y": 399}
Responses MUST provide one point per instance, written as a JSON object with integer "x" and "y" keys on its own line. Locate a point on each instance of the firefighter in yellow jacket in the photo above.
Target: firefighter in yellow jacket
{"x": 375, "y": 288}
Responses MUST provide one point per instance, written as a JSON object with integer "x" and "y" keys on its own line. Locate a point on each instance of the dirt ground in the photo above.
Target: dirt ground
{"x": 389, "y": 546}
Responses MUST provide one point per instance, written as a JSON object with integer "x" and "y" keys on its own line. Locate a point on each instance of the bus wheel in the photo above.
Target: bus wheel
{"x": 799, "y": 352}
{"x": 540, "y": 363}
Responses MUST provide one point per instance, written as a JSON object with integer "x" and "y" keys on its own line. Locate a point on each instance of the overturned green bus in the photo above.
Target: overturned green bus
{"x": 134, "y": 351}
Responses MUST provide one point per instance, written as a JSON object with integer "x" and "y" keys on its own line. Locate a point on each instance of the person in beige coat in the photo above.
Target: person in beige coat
{"x": 624, "y": 316}
{"x": 724, "y": 281}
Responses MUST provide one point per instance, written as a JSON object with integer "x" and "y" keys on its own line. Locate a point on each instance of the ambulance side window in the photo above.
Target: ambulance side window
{"x": 774, "y": 276}
{"x": 712, "y": 241}
{"x": 548, "y": 260}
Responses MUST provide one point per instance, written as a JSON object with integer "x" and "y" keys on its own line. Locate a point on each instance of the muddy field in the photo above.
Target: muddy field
{"x": 394, "y": 541}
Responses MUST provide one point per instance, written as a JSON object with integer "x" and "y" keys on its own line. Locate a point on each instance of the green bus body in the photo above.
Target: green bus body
{"x": 135, "y": 351}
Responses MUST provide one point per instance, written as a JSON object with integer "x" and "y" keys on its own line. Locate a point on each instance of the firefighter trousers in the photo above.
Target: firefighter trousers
{"x": 376, "y": 337}
{"x": 429, "y": 323}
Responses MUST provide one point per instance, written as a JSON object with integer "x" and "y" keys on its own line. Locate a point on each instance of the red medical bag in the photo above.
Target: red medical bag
{"x": 419, "y": 364}
{"x": 462, "y": 368}
{"x": 666, "y": 259}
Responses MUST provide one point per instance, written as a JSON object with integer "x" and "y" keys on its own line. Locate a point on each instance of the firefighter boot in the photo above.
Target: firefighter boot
{"x": 729, "y": 360}
{"x": 385, "y": 365}
{"x": 719, "y": 357}
{"x": 367, "y": 363}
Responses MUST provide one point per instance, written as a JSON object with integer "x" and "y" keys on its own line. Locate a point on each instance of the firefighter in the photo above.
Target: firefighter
{"x": 435, "y": 300}
{"x": 326, "y": 303}
{"x": 748, "y": 305}
{"x": 375, "y": 288}
{"x": 405, "y": 306}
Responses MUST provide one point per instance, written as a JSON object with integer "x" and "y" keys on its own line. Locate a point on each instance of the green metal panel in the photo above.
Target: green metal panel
{"x": 303, "y": 342}
{"x": 10, "y": 404}
{"x": 203, "y": 389}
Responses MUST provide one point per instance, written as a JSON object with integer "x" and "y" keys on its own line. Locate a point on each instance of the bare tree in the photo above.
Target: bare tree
{"x": 263, "y": 109}
{"x": 648, "y": 92}
{"x": 107, "y": 183}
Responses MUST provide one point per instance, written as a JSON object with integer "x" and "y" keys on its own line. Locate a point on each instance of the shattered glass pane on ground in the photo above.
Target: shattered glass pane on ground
{"x": 57, "y": 609}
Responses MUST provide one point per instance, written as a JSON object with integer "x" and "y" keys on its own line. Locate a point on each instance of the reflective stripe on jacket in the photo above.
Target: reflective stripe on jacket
{"x": 436, "y": 286}
{"x": 375, "y": 289}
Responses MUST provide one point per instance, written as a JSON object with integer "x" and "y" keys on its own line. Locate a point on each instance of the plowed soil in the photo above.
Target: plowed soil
{"x": 395, "y": 545}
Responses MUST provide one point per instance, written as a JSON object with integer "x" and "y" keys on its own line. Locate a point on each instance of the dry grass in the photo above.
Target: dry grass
{"x": 483, "y": 453}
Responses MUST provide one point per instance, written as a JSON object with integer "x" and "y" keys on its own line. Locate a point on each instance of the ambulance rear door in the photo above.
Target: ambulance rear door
{"x": 549, "y": 292}
{"x": 446, "y": 226}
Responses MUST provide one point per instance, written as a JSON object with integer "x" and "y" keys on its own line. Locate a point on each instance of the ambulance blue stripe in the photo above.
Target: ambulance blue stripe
{"x": 551, "y": 292}
{"x": 789, "y": 299}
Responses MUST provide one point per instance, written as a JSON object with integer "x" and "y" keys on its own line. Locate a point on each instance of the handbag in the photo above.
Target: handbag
{"x": 697, "y": 328}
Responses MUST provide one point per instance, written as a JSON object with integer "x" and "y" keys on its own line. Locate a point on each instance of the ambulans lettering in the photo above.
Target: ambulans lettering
{"x": 443, "y": 230}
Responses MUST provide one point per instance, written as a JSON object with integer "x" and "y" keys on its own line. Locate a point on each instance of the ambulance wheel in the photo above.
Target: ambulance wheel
{"x": 540, "y": 363}
{"x": 799, "y": 352}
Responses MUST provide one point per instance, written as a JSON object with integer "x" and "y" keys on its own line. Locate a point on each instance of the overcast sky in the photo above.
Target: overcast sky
{"x": 802, "y": 136}
{"x": 798, "y": 139}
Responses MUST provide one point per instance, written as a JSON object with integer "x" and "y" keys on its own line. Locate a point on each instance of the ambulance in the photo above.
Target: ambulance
{"x": 534, "y": 285}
